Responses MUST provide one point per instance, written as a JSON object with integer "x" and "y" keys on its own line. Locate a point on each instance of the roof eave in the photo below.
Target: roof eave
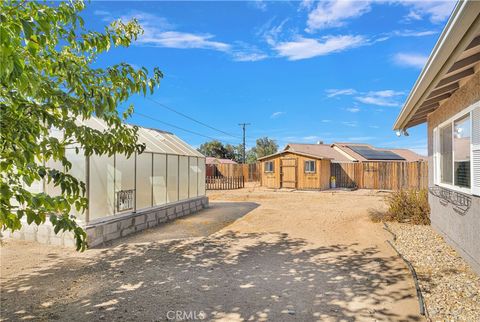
{"x": 451, "y": 43}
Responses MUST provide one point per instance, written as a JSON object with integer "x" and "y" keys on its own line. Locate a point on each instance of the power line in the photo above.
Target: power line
{"x": 191, "y": 118}
{"x": 180, "y": 128}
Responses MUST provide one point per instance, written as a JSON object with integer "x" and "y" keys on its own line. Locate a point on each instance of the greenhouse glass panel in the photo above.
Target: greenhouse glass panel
{"x": 193, "y": 191}
{"x": 101, "y": 186}
{"x": 78, "y": 170}
{"x": 124, "y": 183}
{"x": 50, "y": 186}
{"x": 159, "y": 179}
{"x": 201, "y": 176}
{"x": 35, "y": 187}
{"x": 144, "y": 180}
{"x": 183, "y": 179}
{"x": 172, "y": 178}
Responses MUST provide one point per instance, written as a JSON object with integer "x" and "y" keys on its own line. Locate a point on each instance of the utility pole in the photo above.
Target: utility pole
{"x": 243, "y": 125}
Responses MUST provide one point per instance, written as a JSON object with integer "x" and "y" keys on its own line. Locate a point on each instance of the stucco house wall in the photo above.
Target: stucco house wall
{"x": 462, "y": 231}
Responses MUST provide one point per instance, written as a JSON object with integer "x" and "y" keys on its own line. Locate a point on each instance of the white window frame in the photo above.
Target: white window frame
{"x": 273, "y": 167}
{"x": 436, "y": 151}
{"x": 314, "y": 166}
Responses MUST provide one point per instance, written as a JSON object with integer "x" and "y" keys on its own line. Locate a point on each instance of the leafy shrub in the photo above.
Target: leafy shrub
{"x": 407, "y": 206}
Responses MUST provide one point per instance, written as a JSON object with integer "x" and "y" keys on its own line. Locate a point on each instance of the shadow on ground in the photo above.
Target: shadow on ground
{"x": 227, "y": 276}
{"x": 201, "y": 224}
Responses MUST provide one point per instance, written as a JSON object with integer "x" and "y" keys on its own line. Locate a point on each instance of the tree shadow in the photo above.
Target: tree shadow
{"x": 230, "y": 276}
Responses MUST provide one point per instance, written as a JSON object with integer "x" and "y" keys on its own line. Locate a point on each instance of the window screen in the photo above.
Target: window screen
{"x": 269, "y": 166}
{"x": 461, "y": 151}
{"x": 310, "y": 166}
{"x": 446, "y": 156}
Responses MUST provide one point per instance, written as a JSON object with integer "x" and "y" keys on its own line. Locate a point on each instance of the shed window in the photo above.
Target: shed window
{"x": 269, "y": 166}
{"x": 453, "y": 147}
{"x": 310, "y": 166}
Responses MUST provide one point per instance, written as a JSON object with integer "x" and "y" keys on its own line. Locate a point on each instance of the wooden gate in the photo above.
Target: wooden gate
{"x": 288, "y": 173}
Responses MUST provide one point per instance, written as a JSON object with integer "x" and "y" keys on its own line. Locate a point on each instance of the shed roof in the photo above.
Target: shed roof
{"x": 320, "y": 150}
{"x": 299, "y": 153}
{"x": 212, "y": 160}
{"x": 156, "y": 140}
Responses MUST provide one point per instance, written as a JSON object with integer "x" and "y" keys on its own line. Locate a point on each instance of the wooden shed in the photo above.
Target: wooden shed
{"x": 294, "y": 170}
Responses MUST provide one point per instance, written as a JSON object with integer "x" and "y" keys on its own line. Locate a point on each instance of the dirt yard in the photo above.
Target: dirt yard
{"x": 255, "y": 255}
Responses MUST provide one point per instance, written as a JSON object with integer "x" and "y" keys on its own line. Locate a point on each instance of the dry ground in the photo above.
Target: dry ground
{"x": 257, "y": 255}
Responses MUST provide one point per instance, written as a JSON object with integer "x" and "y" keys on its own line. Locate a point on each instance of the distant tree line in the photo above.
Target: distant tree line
{"x": 264, "y": 146}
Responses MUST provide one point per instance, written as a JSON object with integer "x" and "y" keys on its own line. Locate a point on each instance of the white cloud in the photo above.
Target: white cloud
{"x": 149, "y": 21}
{"x": 336, "y": 92}
{"x": 410, "y": 60}
{"x": 414, "y": 33}
{"x": 353, "y": 109}
{"x": 381, "y": 98}
{"x": 326, "y": 121}
{"x": 311, "y": 138}
{"x": 182, "y": 40}
{"x": 104, "y": 15}
{"x": 258, "y": 4}
{"x": 277, "y": 115}
{"x": 350, "y": 123}
{"x": 386, "y": 93}
{"x": 435, "y": 10}
{"x": 302, "y": 48}
{"x": 243, "y": 56}
{"x": 361, "y": 138}
{"x": 334, "y": 13}
{"x": 158, "y": 32}
{"x": 270, "y": 33}
{"x": 306, "y": 4}
{"x": 244, "y": 52}
{"x": 374, "y": 126}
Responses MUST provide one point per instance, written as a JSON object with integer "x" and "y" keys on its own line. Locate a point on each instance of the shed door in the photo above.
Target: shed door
{"x": 288, "y": 172}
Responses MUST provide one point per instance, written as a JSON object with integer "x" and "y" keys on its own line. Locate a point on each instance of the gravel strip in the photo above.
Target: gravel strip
{"x": 450, "y": 287}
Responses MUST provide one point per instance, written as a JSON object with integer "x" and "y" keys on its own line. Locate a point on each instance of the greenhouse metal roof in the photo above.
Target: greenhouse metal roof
{"x": 156, "y": 141}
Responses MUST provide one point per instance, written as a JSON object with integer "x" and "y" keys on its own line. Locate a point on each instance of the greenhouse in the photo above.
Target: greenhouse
{"x": 125, "y": 195}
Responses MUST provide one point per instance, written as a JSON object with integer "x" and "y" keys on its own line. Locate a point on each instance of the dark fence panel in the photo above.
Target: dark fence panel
{"x": 224, "y": 183}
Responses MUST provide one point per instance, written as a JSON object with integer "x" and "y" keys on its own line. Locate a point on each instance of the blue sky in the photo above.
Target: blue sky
{"x": 298, "y": 71}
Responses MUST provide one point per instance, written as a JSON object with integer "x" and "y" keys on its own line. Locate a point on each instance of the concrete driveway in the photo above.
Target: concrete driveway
{"x": 255, "y": 255}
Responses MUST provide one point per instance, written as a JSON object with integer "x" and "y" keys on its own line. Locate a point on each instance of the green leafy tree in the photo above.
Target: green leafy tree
{"x": 48, "y": 82}
{"x": 231, "y": 152}
{"x": 213, "y": 149}
{"x": 217, "y": 149}
{"x": 251, "y": 156}
{"x": 265, "y": 146}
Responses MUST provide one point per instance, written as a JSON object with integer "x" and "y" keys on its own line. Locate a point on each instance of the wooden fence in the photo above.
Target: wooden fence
{"x": 224, "y": 183}
{"x": 381, "y": 175}
{"x": 251, "y": 172}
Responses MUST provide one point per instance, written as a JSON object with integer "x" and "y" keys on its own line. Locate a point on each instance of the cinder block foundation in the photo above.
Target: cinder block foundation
{"x": 109, "y": 228}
